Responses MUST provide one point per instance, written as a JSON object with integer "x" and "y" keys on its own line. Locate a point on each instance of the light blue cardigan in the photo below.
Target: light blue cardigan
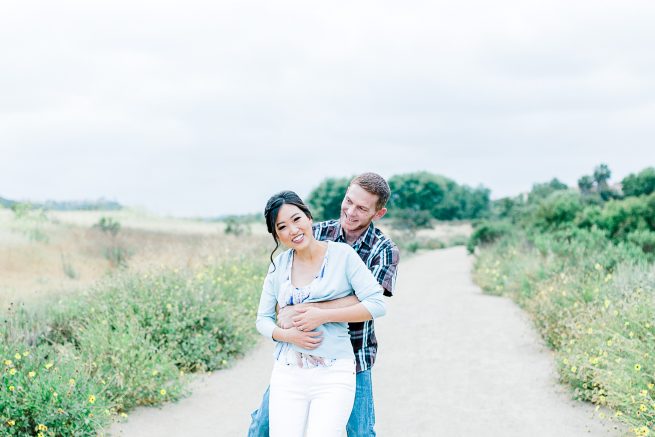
{"x": 344, "y": 273}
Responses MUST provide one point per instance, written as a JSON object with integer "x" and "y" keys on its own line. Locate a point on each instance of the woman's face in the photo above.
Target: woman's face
{"x": 293, "y": 227}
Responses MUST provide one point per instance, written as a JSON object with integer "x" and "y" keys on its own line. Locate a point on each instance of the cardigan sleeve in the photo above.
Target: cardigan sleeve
{"x": 266, "y": 312}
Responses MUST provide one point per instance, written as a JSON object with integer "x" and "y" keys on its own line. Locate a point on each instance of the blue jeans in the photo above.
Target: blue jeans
{"x": 360, "y": 424}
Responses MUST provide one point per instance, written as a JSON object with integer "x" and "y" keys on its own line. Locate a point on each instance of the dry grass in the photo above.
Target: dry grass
{"x": 31, "y": 269}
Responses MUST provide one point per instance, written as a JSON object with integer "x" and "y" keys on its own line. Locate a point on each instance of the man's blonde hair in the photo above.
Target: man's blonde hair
{"x": 374, "y": 184}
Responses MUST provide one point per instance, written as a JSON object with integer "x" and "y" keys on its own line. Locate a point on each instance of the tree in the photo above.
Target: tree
{"x": 602, "y": 174}
{"x": 543, "y": 190}
{"x": 586, "y": 184}
{"x": 639, "y": 184}
{"x": 325, "y": 200}
{"x": 421, "y": 191}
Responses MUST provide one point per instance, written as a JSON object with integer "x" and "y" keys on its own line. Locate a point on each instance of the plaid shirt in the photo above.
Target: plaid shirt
{"x": 381, "y": 256}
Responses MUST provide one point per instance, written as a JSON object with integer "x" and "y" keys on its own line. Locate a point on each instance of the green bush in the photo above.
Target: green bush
{"x": 592, "y": 301}
{"x": 486, "y": 233}
{"x": 645, "y": 240}
{"x": 558, "y": 210}
{"x": 325, "y": 200}
{"x": 125, "y": 343}
{"x": 44, "y": 389}
{"x": 639, "y": 184}
{"x": 411, "y": 220}
{"x": 108, "y": 225}
{"x": 620, "y": 217}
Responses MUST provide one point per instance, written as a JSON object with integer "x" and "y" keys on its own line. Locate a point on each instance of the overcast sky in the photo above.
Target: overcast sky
{"x": 209, "y": 107}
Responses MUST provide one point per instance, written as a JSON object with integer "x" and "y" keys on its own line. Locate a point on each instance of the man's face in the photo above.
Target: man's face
{"x": 358, "y": 209}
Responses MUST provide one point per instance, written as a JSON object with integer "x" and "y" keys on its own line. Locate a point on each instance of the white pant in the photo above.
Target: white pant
{"x": 319, "y": 399}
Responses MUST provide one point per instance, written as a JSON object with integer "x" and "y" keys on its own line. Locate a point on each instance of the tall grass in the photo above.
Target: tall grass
{"x": 593, "y": 301}
{"x": 69, "y": 367}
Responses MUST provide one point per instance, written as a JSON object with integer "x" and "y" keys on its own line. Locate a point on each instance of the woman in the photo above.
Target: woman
{"x": 313, "y": 381}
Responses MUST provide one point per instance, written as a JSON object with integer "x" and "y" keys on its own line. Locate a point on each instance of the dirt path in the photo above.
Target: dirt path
{"x": 453, "y": 362}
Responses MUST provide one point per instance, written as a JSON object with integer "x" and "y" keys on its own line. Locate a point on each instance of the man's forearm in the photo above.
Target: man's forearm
{"x": 343, "y": 302}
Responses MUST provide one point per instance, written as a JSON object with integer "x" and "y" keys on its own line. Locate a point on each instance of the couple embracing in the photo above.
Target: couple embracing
{"x": 318, "y": 303}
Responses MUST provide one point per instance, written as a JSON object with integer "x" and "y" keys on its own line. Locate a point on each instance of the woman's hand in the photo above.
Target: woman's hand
{"x": 304, "y": 339}
{"x": 309, "y": 318}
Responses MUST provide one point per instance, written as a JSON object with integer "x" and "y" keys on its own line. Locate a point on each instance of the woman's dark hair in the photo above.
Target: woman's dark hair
{"x": 273, "y": 207}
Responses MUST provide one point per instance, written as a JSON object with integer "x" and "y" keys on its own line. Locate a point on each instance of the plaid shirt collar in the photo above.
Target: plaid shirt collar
{"x": 367, "y": 237}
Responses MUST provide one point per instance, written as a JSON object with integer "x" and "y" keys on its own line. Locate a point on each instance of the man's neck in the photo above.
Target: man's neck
{"x": 351, "y": 237}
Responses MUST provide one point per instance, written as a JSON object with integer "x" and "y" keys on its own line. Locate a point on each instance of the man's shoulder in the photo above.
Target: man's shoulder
{"x": 326, "y": 230}
{"x": 326, "y": 224}
{"x": 383, "y": 240}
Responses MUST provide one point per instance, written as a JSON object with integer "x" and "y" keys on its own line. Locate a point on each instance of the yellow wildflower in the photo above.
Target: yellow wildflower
{"x": 31, "y": 374}
{"x": 155, "y": 373}
{"x": 637, "y": 367}
{"x": 643, "y": 392}
{"x": 71, "y": 382}
{"x": 8, "y": 363}
{"x": 17, "y": 356}
{"x": 41, "y": 427}
{"x": 12, "y": 388}
{"x": 643, "y": 408}
{"x": 48, "y": 365}
{"x": 11, "y": 422}
{"x": 92, "y": 399}
{"x": 12, "y": 371}
{"x": 162, "y": 392}
{"x": 651, "y": 386}
{"x": 574, "y": 369}
{"x": 26, "y": 353}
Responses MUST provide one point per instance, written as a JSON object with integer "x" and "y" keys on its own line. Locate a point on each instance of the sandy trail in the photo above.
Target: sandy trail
{"x": 452, "y": 362}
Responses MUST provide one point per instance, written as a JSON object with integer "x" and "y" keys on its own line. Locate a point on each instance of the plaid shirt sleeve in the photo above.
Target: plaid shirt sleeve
{"x": 384, "y": 267}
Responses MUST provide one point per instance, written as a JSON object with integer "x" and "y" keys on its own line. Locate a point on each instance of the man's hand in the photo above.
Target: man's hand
{"x": 285, "y": 316}
{"x": 308, "y": 318}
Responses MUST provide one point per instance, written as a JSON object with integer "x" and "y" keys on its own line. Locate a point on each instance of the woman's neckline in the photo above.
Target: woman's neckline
{"x": 320, "y": 268}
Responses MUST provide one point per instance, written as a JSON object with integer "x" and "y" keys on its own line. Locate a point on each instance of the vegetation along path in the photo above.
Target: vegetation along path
{"x": 452, "y": 362}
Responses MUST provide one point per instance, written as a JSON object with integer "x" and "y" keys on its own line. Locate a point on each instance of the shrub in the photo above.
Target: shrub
{"x": 645, "y": 240}
{"x": 592, "y": 301}
{"x": 488, "y": 232}
{"x": 108, "y": 225}
{"x": 558, "y": 210}
{"x": 639, "y": 184}
{"x": 411, "y": 220}
{"x": 43, "y": 388}
{"x": 122, "y": 344}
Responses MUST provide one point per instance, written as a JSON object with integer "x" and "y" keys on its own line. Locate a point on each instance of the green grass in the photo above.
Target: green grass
{"x": 593, "y": 302}
{"x": 70, "y": 367}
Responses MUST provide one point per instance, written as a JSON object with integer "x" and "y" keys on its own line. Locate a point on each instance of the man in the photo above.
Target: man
{"x": 364, "y": 202}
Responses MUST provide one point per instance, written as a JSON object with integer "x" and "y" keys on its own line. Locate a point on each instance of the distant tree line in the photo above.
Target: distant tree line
{"x": 51, "y": 205}
{"x": 624, "y": 212}
{"x": 416, "y": 199}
